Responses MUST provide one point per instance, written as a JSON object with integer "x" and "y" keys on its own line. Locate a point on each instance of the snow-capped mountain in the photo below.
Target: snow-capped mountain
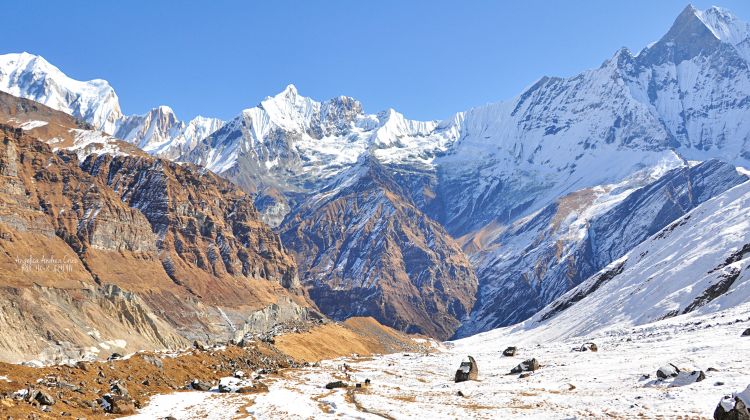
{"x": 157, "y": 132}
{"x": 294, "y": 145}
{"x": 32, "y": 77}
{"x": 480, "y": 172}
{"x": 161, "y": 133}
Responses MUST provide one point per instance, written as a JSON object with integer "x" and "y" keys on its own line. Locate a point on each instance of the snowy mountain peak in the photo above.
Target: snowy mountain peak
{"x": 724, "y": 25}
{"x": 30, "y": 76}
{"x": 159, "y": 131}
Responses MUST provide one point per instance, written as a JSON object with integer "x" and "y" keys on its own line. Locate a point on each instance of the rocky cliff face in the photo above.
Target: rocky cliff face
{"x": 366, "y": 249}
{"x": 126, "y": 252}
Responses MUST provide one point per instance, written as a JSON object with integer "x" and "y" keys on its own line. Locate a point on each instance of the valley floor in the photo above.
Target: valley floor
{"x": 608, "y": 383}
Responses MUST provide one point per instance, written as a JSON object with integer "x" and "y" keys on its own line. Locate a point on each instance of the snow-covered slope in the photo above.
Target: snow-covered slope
{"x": 699, "y": 263}
{"x": 158, "y": 132}
{"x": 540, "y": 257}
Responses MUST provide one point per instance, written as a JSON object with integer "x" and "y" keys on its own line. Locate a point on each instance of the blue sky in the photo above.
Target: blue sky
{"x": 427, "y": 59}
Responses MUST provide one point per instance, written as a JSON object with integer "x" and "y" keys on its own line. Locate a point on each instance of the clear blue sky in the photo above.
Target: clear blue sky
{"x": 427, "y": 59}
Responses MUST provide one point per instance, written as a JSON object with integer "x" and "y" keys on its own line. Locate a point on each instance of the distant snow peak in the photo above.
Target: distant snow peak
{"x": 30, "y": 76}
{"x": 158, "y": 132}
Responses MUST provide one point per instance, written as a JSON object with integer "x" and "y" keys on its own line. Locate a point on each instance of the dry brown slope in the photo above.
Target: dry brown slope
{"x": 173, "y": 252}
{"x": 359, "y": 335}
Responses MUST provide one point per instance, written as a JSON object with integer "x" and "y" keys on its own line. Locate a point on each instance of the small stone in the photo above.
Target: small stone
{"x": 524, "y": 375}
{"x": 746, "y": 333}
{"x": 510, "y": 351}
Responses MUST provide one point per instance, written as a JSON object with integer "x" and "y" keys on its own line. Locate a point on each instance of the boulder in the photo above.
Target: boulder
{"x": 118, "y": 405}
{"x": 114, "y": 356}
{"x": 510, "y": 351}
{"x": 734, "y": 407}
{"x": 41, "y": 397}
{"x": 589, "y": 347}
{"x": 524, "y": 375}
{"x": 667, "y": 371}
{"x": 119, "y": 389}
{"x": 468, "y": 371}
{"x": 529, "y": 365}
{"x": 199, "y": 345}
{"x": 153, "y": 361}
{"x": 200, "y": 385}
{"x": 336, "y": 384}
{"x": 232, "y": 384}
{"x": 746, "y": 333}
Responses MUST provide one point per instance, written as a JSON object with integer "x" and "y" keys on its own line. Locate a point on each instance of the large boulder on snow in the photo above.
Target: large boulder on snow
{"x": 468, "y": 371}
{"x": 734, "y": 407}
{"x": 529, "y": 365}
{"x": 667, "y": 371}
{"x": 510, "y": 351}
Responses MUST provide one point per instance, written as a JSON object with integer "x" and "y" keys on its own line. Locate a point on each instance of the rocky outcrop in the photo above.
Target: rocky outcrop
{"x": 367, "y": 250}
{"x": 126, "y": 253}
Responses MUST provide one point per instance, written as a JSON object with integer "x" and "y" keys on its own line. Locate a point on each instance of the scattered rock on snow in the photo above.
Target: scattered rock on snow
{"x": 667, "y": 371}
{"x": 529, "y": 365}
{"x": 589, "y": 347}
{"x": 746, "y": 333}
{"x": 467, "y": 371}
{"x": 336, "y": 384}
{"x": 510, "y": 351}
{"x": 524, "y": 375}
{"x": 199, "y": 385}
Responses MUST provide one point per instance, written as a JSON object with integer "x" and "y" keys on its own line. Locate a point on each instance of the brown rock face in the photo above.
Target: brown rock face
{"x": 126, "y": 252}
{"x": 366, "y": 250}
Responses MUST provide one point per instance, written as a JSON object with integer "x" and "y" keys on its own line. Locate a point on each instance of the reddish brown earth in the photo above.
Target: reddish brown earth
{"x": 76, "y": 388}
